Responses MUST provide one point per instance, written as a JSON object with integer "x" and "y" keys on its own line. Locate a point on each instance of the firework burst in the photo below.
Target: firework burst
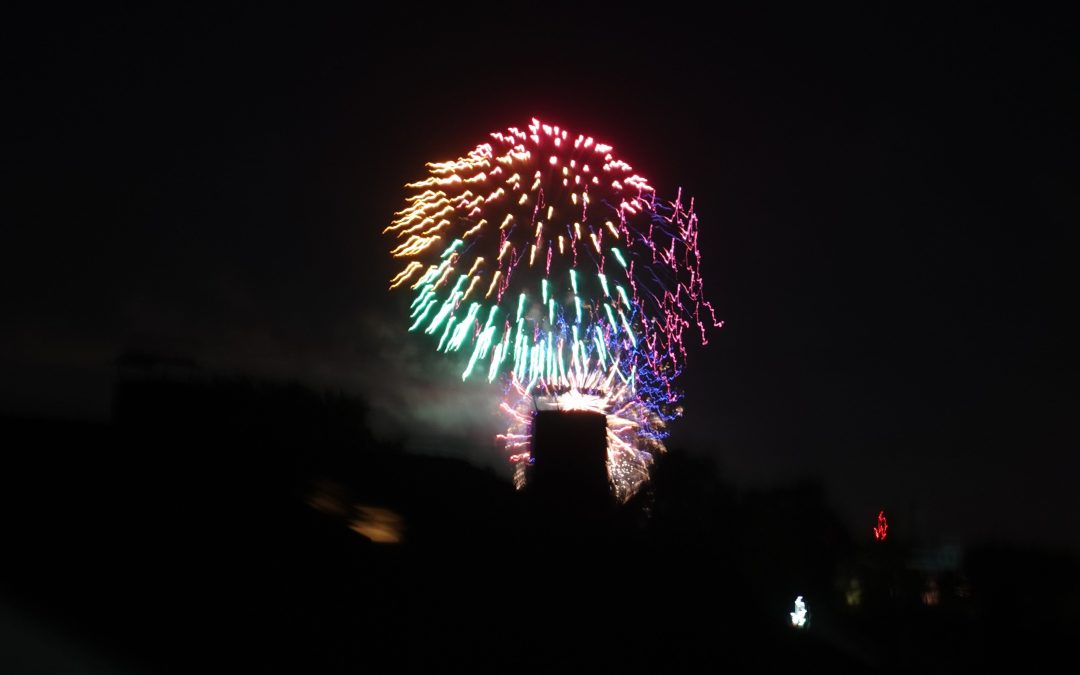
{"x": 552, "y": 266}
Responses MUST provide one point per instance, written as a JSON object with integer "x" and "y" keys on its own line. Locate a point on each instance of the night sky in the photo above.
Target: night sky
{"x": 888, "y": 205}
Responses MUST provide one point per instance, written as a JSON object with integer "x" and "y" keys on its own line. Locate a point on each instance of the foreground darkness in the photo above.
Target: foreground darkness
{"x": 218, "y": 525}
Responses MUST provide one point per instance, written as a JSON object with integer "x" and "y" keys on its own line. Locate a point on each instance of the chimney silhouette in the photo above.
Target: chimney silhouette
{"x": 568, "y": 472}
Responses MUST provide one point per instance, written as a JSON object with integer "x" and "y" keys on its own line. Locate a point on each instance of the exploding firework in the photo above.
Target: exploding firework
{"x": 557, "y": 270}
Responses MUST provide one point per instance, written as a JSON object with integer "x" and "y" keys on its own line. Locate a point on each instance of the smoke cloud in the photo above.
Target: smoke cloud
{"x": 417, "y": 396}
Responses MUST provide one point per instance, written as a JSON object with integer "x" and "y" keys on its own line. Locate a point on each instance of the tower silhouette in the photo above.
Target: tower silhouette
{"x": 568, "y": 473}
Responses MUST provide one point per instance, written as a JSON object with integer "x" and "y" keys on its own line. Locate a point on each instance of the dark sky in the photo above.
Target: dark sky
{"x": 888, "y": 204}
